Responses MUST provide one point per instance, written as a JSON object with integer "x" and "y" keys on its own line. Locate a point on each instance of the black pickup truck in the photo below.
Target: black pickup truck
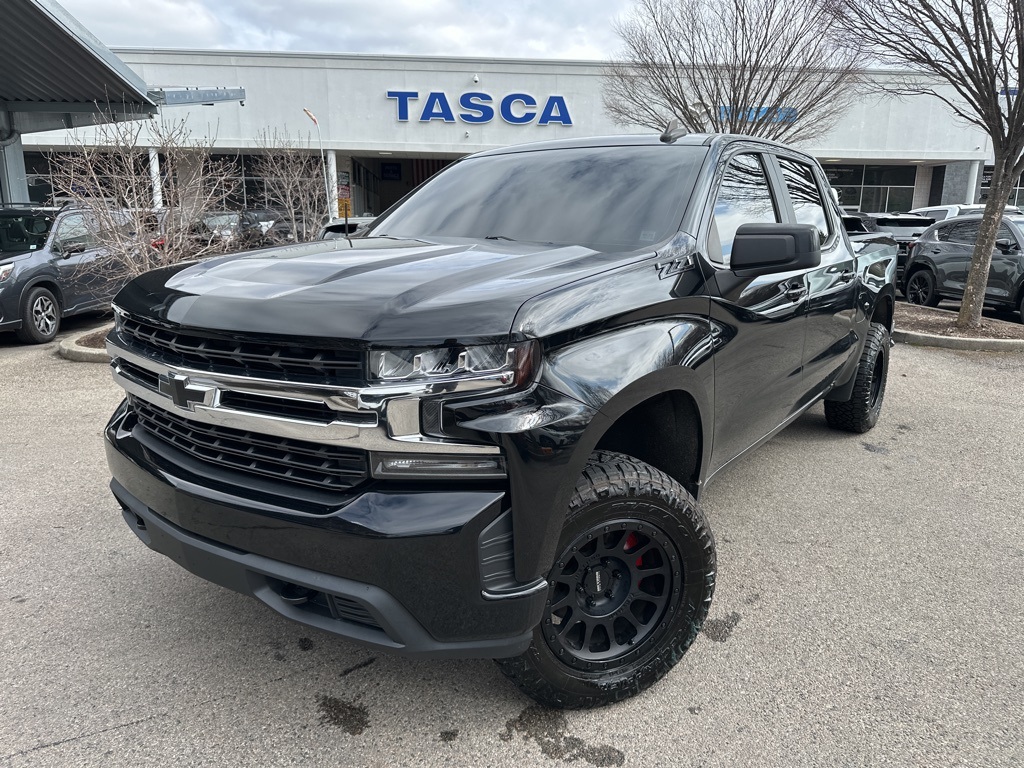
{"x": 481, "y": 428}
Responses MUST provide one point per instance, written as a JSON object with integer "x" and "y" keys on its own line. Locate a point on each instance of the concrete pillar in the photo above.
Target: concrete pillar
{"x": 332, "y": 181}
{"x": 154, "y": 178}
{"x": 972, "y": 182}
{"x": 13, "y": 185}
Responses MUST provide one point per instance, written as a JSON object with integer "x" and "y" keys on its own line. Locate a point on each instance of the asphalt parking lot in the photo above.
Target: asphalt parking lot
{"x": 870, "y": 611}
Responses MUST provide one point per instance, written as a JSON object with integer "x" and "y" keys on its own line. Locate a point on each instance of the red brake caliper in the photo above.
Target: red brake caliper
{"x": 631, "y": 543}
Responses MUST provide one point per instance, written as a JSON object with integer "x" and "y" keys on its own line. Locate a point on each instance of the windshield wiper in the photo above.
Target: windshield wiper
{"x": 500, "y": 237}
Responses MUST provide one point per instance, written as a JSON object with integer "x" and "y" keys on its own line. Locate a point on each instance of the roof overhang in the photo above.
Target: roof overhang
{"x": 55, "y": 74}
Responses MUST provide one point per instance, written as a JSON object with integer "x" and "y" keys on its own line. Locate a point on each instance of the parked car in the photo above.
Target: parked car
{"x": 481, "y": 429}
{"x": 45, "y": 255}
{"x": 941, "y": 259}
{"x": 943, "y": 212}
{"x": 904, "y": 228}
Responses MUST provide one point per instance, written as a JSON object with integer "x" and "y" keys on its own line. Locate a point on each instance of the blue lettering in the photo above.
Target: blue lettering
{"x": 436, "y": 107}
{"x": 786, "y": 115}
{"x": 404, "y": 97}
{"x": 477, "y": 106}
{"x": 555, "y": 111}
{"x": 506, "y": 108}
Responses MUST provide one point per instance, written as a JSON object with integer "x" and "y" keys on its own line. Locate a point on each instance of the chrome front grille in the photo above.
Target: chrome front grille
{"x": 292, "y": 461}
{"x": 265, "y": 358}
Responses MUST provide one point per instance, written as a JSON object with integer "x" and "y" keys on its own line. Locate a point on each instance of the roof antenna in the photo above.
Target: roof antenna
{"x": 672, "y": 131}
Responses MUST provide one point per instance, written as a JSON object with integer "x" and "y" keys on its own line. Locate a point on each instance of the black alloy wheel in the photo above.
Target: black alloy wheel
{"x": 628, "y": 592}
{"x": 609, "y": 591}
{"x": 921, "y": 289}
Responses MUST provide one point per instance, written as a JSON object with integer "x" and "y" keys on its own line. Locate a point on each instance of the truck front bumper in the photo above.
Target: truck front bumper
{"x": 406, "y": 570}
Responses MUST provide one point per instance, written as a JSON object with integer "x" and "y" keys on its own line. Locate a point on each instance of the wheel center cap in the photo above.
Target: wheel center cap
{"x": 597, "y": 581}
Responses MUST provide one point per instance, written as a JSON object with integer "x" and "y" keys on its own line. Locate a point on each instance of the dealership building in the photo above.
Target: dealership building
{"x": 386, "y": 123}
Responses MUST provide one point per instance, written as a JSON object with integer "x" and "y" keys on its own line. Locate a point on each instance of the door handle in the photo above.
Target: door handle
{"x": 795, "y": 292}
{"x": 936, "y": 250}
{"x": 847, "y": 276}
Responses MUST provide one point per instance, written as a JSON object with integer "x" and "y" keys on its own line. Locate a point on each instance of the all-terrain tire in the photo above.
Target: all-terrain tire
{"x": 642, "y": 558}
{"x": 40, "y": 317}
{"x": 860, "y": 413}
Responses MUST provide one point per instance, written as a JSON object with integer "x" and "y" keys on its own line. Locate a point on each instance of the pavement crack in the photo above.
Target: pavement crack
{"x": 83, "y": 736}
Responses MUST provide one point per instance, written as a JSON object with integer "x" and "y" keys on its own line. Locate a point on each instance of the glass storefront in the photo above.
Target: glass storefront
{"x": 873, "y": 188}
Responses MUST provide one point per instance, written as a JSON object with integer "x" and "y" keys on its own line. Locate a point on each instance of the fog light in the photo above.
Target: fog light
{"x": 431, "y": 466}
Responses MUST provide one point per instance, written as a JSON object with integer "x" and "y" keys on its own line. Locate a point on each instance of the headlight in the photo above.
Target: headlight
{"x": 509, "y": 363}
{"x": 6, "y": 271}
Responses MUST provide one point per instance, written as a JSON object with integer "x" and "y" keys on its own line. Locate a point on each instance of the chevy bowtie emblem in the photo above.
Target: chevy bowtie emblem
{"x": 182, "y": 394}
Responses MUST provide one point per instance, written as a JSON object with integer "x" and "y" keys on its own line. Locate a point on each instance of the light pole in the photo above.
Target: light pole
{"x": 323, "y": 161}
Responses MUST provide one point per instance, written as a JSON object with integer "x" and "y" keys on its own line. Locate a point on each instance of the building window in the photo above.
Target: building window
{"x": 1016, "y": 196}
{"x": 873, "y": 188}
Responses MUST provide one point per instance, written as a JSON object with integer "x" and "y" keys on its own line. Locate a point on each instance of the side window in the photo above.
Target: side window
{"x": 965, "y": 233}
{"x": 942, "y": 233}
{"x": 744, "y": 197}
{"x": 75, "y": 230}
{"x": 805, "y": 195}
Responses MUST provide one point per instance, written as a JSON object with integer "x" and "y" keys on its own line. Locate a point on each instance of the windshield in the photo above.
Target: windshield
{"x": 607, "y": 198}
{"x": 23, "y": 232}
{"x": 221, "y": 220}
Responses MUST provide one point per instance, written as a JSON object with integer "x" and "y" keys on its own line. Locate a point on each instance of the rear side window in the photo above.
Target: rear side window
{"x": 805, "y": 195}
{"x": 744, "y": 197}
{"x": 966, "y": 232}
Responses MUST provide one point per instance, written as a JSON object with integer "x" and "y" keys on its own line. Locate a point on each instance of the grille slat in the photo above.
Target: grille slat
{"x": 278, "y": 360}
{"x": 293, "y": 461}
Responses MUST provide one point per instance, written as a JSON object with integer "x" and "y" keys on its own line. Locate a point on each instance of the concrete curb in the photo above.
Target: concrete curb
{"x": 70, "y": 349}
{"x": 955, "y": 342}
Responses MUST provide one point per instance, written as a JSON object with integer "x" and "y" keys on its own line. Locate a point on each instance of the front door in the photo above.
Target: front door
{"x": 760, "y": 319}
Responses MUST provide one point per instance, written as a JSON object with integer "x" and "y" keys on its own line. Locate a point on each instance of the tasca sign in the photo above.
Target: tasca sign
{"x": 478, "y": 107}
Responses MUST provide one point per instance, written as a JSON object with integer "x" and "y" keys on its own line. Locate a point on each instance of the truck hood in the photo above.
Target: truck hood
{"x": 375, "y": 290}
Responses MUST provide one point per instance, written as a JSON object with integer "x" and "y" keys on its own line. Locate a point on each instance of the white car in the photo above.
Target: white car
{"x": 943, "y": 212}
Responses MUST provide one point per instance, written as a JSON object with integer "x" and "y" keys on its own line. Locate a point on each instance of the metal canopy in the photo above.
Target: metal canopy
{"x": 49, "y": 62}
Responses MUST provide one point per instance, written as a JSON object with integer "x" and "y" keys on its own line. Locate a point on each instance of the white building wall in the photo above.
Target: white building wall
{"x": 348, "y": 95}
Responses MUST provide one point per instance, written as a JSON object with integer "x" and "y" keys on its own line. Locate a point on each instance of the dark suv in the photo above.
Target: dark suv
{"x": 481, "y": 428}
{"x": 940, "y": 261}
{"x": 44, "y": 270}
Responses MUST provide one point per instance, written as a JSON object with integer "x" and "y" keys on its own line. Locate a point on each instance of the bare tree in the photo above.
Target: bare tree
{"x": 773, "y": 68}
{"x": 109, "y": 178}
{"x": 293, "y": 175}
{"x": 976, "y": 49}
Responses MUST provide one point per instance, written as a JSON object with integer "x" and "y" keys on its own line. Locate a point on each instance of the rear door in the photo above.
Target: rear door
{"x": 953, "y": 262}
{"x": 831, "y": 336}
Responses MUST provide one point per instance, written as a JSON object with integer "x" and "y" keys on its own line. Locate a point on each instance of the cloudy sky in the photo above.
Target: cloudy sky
{"x": 558, "y": 29}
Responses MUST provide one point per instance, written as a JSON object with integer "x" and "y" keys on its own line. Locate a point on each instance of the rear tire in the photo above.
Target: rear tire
{"x": 628, "y": 592}
{"x": 40, "y": 317}
{"x": 860, "y": 413}
{"x": 921, "y": 290}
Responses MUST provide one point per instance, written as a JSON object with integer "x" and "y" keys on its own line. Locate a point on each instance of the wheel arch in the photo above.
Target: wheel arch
{"x": 47, "y": 282}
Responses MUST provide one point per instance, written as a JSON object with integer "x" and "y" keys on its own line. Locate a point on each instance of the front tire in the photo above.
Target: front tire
{"x": 860, "y": 413}
{"x": 40, "y": 317}
{"x": 628, "y": 592}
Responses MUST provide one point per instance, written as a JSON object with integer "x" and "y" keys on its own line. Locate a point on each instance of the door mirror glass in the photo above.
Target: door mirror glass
{"x": 1005, "y": 245}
